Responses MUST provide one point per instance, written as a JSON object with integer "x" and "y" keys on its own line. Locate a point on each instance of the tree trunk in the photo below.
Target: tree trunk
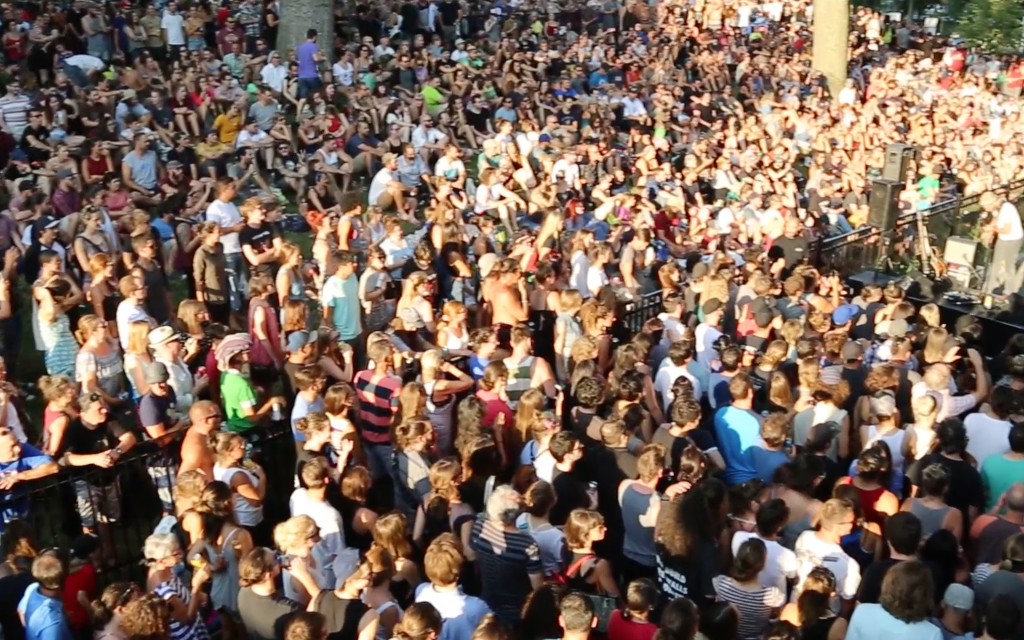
{"x": 299, "y": 15}
{"x": 831, "y": 41}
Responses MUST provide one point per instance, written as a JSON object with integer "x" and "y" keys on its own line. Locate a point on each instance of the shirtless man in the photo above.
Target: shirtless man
{"x": 205, "y": 417}
{"x": 507, "y": 298}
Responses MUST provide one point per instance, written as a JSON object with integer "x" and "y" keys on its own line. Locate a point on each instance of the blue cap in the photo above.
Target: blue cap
{"x": 845, "y": 313}
{"x": 544, "y": 138}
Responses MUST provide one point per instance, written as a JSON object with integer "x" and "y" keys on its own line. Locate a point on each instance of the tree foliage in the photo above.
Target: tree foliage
{"x": 993, "y": 25}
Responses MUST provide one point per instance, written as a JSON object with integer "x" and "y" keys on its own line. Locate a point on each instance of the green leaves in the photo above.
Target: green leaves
{"x": 993, "y": 25}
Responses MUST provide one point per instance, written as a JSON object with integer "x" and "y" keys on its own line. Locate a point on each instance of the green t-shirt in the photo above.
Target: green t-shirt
{"x": 997, "y": 475}
{"x": 927, "y": 186}
{"x": 431, "y": 96}
{"x": 235, "y": 393}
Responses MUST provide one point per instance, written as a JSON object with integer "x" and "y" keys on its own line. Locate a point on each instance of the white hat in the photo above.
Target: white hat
{"x": 162, "y": 335}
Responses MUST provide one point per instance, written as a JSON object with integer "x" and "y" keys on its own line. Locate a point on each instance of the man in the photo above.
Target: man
{"x": 150, "y": 271}
{"x": 260, "y": 240}
{"x": 229, "y": 124}
{"x": 708, "y": 332}
{"x": 263, "y": 611}
{"x": 300, "y": 346}
{"x": 159, "y": 417}
{"x": 205, "y": 418}
{"x": 41, "y": 607}
{"x": 308, "y": 57}
{"x": 341, "y": 305}
{"x": 508, "y": 559}
{"x": 566, "y": 478}
{"x": 990, "y": 531}
{"x": 173, "y": 26}
{"x": 309, "y": 382}
{"x": 412, "y": 170}
{"x": 822, "y": 548}
{"x": 166, "y": 346}
{"x": 1009, "y": 233}
{"x": 738, "y": 429}
{"x": 450, "y": 166}
{"x": 998, "y": 473}
{"x": 256, "y": 139}
{"x": 442, "y": 564}
{"x": 386, "y": 190}
{"x": 615, "y": 456}
{"x": 14, "y": 108}
{"x": 903, "y": 535}
{"x": 576, "y": 616}
{"x": 129, "y": 105}
{"x": 525, "y": 371}
{"x": 264, "y": 110}
{"x": 376, "y": 404}
{"x": 19, "y": 463}
{"x": 780, "y": 567}
{"x": 224, "y": 212}
{"x": 1004, "y": 584}
{"x": 988, "y": 430}
{"x": 141, "y": 171}
{"x": 793, "y": 244}
{"x": 955, "y": 611}
{"x": 250, "y": 16}
{"x": 428, "y": 140}
{"x": 66, "y": 199}
{"x": 311, "y": 500}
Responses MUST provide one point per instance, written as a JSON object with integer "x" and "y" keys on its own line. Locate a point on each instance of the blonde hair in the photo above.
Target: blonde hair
{"x": 313, "y": 423}
{"x": 529, "y": 412}
{"x": 55, "y": 387}
{"x": 578, "y": 527}
{"x": 98, "y": 263}
{"x": 189, "y": 311}
{"x": 293, "y": 532}
{"x": 444, "y": 482}
{"x": 570, "y": 301}
{"x": 412, "y": 402}
{"x": 935, "y": 345}
{"x": 87, "y": 326}
{"x": 138, "y": 338}
{"x": 390, "y": 533}
{"x": 449, "y": 312}
{"x": 287, "y": 252}
{"x": 929, "y": 314}
{"x": 431, "y": 360}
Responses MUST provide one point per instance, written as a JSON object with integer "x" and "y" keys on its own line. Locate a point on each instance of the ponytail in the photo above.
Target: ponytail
{"x": 418, "y": 623}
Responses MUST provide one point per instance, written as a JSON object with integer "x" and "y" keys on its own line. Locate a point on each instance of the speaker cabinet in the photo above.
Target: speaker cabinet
{"x": 897, "y": 161}
{"x": 883, "y": 204}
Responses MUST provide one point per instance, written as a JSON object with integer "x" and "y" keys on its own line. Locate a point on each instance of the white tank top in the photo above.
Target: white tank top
{"x": 246, "y": 515}
{"x": 455, "y": 342}
{"x": 923, "y": 444}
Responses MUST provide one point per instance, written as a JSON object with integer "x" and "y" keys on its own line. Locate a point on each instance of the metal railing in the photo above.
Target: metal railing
{"x": 54, "y": 509}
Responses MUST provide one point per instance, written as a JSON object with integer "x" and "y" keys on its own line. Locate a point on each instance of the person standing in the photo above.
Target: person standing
{"x": 40, "y": 607}
{"x": 341, "y": 305}
{"x": 224, "y": 212}
{"x": 1009, "y": 236}
{"x": 309, "y": 58}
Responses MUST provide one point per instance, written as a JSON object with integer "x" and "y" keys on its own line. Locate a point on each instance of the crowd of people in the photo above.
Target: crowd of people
{"x": 413, "y": 256}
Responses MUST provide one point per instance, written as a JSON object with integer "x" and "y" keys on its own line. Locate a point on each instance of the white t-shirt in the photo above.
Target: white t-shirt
{"x": 666, "y": 377}
{"x": 1008, "y": 215}
{"x": 244, "y": 137}
{"x": 986, "y": 436}
{"x": 596, "y": 279}
{"x": 422, "y": 137}
{"x": 578, "y": 278}
{"x": 812, "y": 551}
{"x": 226, "y": 214}
{"x": 379, "y": 184}
{"x": 706, "y": 335}
{"x": 274, "y": 76}
{"x": 326, "y": 517}
{"x": 780, "y": 564}
{"x": 86, "y": 63}
{"x": 444, "y": 165}
{"x": 633, "y": 108}
{"x": 127, "y": 313}
{"x": 174, "y": 24}
{"x": 566, "y": 171}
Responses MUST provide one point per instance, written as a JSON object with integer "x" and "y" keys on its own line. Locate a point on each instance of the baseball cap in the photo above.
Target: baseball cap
{"x": 486, "y": 264}
{"x": 174, "y": 164}
{"x": 155, "y": 372}
{"x": 297, "y": 340}
{"x": 64, "y": 174}
{"x": 845, "y": 313}
{"x": 959, "y": 596}
{"x": 893, "y": 328}
{"x": 544, "y": 137}
{"x": 711, "y": 306}
{"x": 883, "y": 405}
{"x": 46, "y": 222}
{"x": 388, "y": 157}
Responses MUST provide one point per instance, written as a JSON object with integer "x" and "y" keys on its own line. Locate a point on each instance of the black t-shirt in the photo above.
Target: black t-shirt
{"x": 342, "y": 616}
{"x": 82, "y": 440}
{"x": 156, "y": 284}
{"x": 449, "y": 13}
{"x": 477, "y": 120}
{"x": 265, "y": 616}
{"x": 855, "y": 378}
{"x": 688, "y": 577}
{"x": 570, "y": 493}
{"x": 12, "y": 588}
{"x": 833, "y": 472}
{"x": 965, "y": 489}
{"x": 794, "y": 249}
{"x": 261, "y": 239}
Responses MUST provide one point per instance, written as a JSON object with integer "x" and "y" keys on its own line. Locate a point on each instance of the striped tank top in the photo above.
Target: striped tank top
{"x": 520, "y": 375}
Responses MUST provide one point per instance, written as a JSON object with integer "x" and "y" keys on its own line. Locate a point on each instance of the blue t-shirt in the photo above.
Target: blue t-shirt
{"x": 14, "y": 503}
{"x": 766, "y": 462}
{"x": 477, "y": 366}
{"x": 44, "y": 618}
{"x": 738, "y": 432}
{"x": 342, "y": 296}
{"x": 304, "y": 57}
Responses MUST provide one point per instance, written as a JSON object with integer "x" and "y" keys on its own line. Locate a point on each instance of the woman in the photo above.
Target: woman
{"x": 584, "y": 571}
{"x": 136, "y": 357}
{"x": 359, "y": 520}
{"x": 390, "y": 533}
{"x": 91, "y": 241}
{"x": 415, "y": 311}
{"x": 223, "y": 544}
{"x": 301, "y": 575}
{"x": 812, "y": 612}
{"x": 163, "y": 555}
{"x": 247, "y": 480}
{"x": 98, "y": 365}
{"x": 538, "y": 499}
{"x": 102, "y": 291}
{"x": 885, "y": 427}
{"x": 106, "y": 611}
{"x": 420, "y": 621}
{"x": 756, "y": 604}
{"x": 289, "y": 283}
{"x": 687, "y": 549}
{"x": 266, "y": 356}
{"x": 930, "y": 504}
{"x": 347, "y": 617}
{"x": 378, "y": 595}
{"x": 414, "y": 440}
{"x": 194, "y": 318}
{"x": 60, "y": 394}
{"x": 209, "y": 271}
{"x": 873, "y": 468}
{"x": 55, "y": 297}
{"x": 633, "y": 621}
{"x": 315, "y": 428}
{"x": 118, "y": 200}
{"x": 442, "y": 510}
{"x": 903, "y": 608}
{"x": 568, "y": 330}
{"x": 441, "y": 391}
{"x": 599, "y": 256}
{"x": 452, "y": 329}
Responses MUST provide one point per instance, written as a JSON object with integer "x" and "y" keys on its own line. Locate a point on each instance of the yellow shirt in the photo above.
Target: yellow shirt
{"x": 207, "y": 151}
{"x": 228, "y": 127}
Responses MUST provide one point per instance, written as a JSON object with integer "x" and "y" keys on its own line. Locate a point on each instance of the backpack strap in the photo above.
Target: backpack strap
{"x": 576, "y": 566}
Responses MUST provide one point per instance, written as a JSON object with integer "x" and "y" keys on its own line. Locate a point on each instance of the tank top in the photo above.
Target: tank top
{"x": 246, "y": 515}
{"x": 931, "y": 519}
{"x": 258, "y": 354}
{"x": 456, "y": 342}
{"x": 923, "y": 443}
{"x": 817, "y": 630}
{"x": 868, "y": 499}
{"x": 382, "y": 633}
{"x": 520, "y": 379}
{"x": 224, "y": 584}
{"x": 440, "y": 415}
{"x": 638, "y": 545}
{"x": 894, "y": 441}
{"x": 343, "y": 616}
{"x": 573, "y": 331}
